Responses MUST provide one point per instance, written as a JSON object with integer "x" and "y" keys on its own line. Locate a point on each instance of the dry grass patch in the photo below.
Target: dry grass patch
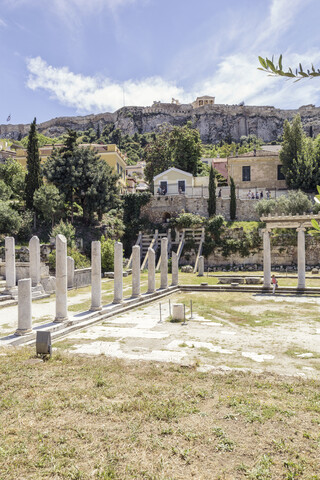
{"x": 78, "y": 417}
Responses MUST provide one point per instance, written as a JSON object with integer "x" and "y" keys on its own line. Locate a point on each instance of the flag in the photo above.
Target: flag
{"x": 9, "y": 118}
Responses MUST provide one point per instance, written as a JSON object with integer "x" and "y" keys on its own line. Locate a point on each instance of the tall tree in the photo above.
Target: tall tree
{"x": 178, "y": 147}
{"x": 233, "y": 201}
{"x": 33, "y": 177}
{"x": 212, "y": 193}
{"x": 84, "y": 178}
{"x": 298, "y": 156}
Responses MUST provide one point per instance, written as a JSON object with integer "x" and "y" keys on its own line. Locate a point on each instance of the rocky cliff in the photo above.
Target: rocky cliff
{"x": 214, "y": 122}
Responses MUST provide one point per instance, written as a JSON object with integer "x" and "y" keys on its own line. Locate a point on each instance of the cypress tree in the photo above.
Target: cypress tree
{"x": 233, "y": 202}
{"x": 212, "y": 193}
{"x": 33, "y": 177}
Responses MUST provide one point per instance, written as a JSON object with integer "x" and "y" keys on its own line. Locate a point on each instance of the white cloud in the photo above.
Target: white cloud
{"x": 236, "y": 79}
{"x": 94, "y": 93}
{"x": 2, "y": 23}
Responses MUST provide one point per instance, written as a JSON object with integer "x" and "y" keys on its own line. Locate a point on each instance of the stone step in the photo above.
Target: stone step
{"x": 4, "y": 297}
{"x": 8, "y": 303}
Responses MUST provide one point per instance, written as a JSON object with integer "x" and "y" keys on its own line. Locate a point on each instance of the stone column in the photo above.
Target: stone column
{"x": 34, "y": 258}
{"x": 164, "y": 263}
{"x": 301, "y": 258}
{"x": 175, "y": 269}
{"x": 10, "y": 262}
{"x": 136, "y": 271}
{"x": 61, "y": 279}
{"x": 24, "y": 307}
{"x": 70, "y": 271}
{"x": 266, "y": 259}
{"x": 118, "y": 273}
{"x": 201, "y": 266}
{"x": 95, "y": 276}
{"x": 151, "y": 270}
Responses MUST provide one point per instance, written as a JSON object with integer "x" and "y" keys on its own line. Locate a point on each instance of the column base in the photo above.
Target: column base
{"x": 20, "y": 332}
{"x": 117, "y": 302}
{"x": 95, "y": 309}
{"x": 136, "y": 296}
{"x": 60, "y": 320}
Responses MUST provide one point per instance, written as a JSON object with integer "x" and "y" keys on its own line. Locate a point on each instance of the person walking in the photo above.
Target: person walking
{"x": 274, "y": 284}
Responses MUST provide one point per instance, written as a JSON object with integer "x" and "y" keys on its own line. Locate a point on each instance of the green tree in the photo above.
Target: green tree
{"x": 84, "y": 178}
{"x": 66, "y": 229}
{"x": 34, "y": 176}
{"x": 233, "y": 201}
{"x": 48, "y": 201}
{"x": 297, "y": 156}
{"x": 178, "y": 147}
{"x": 10, "y": 220}
{"x": 212, "y": 193}
{"x": 13, "y": 174}
{"x": 296, "y": 202}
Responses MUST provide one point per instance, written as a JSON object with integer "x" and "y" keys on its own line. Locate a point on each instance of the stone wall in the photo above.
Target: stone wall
{"x": 162, "y": 206}
{"x": 214, "y": 122}
{"x": 82, "y": 277}
{"x": 280, "y": 256}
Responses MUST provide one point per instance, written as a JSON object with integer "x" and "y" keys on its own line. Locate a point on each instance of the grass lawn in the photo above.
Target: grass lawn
{"x": 77, "y": 417}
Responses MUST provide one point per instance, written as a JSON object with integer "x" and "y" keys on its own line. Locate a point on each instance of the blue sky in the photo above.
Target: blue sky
{"x": 75, "y": 57}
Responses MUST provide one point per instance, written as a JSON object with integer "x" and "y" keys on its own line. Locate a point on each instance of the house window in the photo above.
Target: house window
{"x": 164, "y": 187}
{"x": 181, "y": 186}
{"x": 246, "y": 174}
{"x": 280, "y": 173}
{"x": 118, "y": 169}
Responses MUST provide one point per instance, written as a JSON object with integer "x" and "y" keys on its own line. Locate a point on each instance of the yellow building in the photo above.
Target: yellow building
{"x": 178, "y": 182}
{"x": 261, "y": 169}
{"x": 110, "y": 153}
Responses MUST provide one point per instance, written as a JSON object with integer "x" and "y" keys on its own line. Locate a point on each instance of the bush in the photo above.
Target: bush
{"x": 107, "y": 254}
{"x": 10, "y": 220}
{"x": 80, "y": 261}
{"x": 214, "y": 225}
{"x": 187, "y": 220}
{"x": 66, "y": 229}
{"x": 296, "y": 202}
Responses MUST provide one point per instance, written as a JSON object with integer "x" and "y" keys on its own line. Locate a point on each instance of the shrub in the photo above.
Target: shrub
{"x": 187, "y": 220}
{"x": 66, "y": 229}
{"x": 80, "y": 260}
{"x": 296, "y": 202}
{"x": 214, "y": 225}
{"x": 10, "y": 220}
{"x": 107, "y": 254}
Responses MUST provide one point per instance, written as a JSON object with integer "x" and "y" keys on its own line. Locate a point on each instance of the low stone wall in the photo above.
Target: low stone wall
{"x": 23, "y": 270}
{"x": 284, "y": 256}
{"x": 82, "y": 277}
{"x": 161, "y": 207}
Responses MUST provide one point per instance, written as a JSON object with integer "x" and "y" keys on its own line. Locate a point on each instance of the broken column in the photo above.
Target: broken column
{"x": 266, "y": 259}
{"x": 118, "y": 273}
{"x": 34, "y": 259}
{"x": 95, "y": 276}
{"x": 10, "y": 259}
{"x": 151, "y": 270}
{"x": 175, "y": 269}
{"x": 164, "y": 263}
{"x": 61, "y": 279}
{"x": 201, "y": 266}
{"x": 24, "y": 307}
{"x": 70, "y": 271}
{"x": 301, "y": 258}
{"x": 136, "y": 271}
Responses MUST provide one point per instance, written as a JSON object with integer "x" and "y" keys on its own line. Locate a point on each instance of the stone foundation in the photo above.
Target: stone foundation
{"x": 162, "y": 207}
